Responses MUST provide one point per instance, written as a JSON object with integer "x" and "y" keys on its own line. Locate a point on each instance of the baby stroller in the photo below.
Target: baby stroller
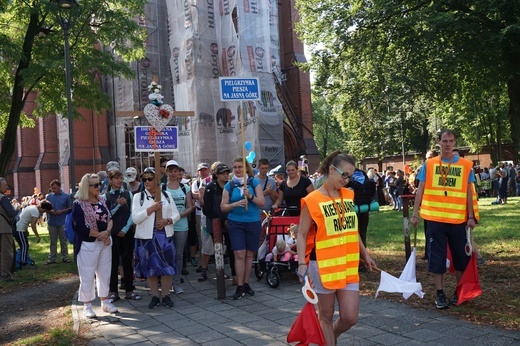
{"x": 274, "y": 228}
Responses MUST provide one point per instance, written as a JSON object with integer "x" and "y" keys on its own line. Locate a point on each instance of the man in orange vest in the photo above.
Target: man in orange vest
{"x": 444, "y": 196}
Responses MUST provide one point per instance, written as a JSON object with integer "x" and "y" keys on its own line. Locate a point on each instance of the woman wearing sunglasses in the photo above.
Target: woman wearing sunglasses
{"x": 242, "y": 199}
{"x": 155, "y": 249}
{"x": 92, "y": 244}
{"x": 329, "y": 246}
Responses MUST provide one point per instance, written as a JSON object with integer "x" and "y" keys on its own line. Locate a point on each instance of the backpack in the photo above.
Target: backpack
{"x": 183, "y": 187}
{"x": 19, "y": 259}
{"x": 232, "y": 185}
{"x": 163, "y": 192}
{"x": 364, "y": 188}
{"x": 213, "y": 210}
{"x": 70, "y": 232}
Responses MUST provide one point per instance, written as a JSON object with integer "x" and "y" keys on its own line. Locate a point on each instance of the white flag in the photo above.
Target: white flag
{"x": 406, "y": 284}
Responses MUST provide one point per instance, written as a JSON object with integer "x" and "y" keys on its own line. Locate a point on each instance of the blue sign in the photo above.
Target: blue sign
{"x": 167, "y": 141}
{"x": 239, "y": 89}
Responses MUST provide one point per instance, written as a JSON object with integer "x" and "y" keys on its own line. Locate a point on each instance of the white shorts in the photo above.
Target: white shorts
{"x": 317, "y": 285}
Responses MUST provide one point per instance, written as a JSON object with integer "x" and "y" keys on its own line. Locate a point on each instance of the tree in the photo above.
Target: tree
{"x": 32, "y": 42}
{"x": 401, "y": 54}
{"x": 327, "y": 132}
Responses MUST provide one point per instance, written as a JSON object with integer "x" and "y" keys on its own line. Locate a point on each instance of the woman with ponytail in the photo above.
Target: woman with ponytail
{"x": 329, "y": 246}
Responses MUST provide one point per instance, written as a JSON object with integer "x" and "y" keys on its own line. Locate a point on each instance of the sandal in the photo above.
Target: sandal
{"x": 113, "y": 297}
{"x": 133, "y": 296}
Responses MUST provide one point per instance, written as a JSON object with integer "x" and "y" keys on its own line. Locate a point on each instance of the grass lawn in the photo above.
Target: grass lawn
{"x": 41, "y": 272}
{"x": 497, "y": 239}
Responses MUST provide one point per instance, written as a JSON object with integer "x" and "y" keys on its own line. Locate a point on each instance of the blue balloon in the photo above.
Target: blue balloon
{"x": 253, "y": 155}
{"x": 248, "y": 145}
{"x": 249, "y": 158}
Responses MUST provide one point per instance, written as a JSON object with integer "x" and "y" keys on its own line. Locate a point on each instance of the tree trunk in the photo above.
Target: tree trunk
{"x": 18, "y": 98}
{"x": 513, "y": 89}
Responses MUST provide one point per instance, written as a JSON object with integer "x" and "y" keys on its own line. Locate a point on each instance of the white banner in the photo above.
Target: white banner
{"x": 254, "y": 32}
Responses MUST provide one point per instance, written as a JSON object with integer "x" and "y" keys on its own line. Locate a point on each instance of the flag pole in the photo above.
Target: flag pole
{"x": 244, "y": 149}
{"x": 373, "y": 267}
{"x": 415, "y": 237}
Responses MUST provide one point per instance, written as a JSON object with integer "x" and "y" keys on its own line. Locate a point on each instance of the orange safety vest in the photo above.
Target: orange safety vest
{"x": 336, "y": 248}
{"x": 447, "y": 203}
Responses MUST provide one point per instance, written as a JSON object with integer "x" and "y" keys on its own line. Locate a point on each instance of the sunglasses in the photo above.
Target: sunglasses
{"x": 147, "y": 179}
{"x": 344, "y": 175}
{"x": 95, "y": 186}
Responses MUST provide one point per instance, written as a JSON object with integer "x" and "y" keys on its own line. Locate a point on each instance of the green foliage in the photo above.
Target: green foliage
{"x": 419, "y": 65}
{"x": 32, "y": 53}
{"x": 327, "y": 131}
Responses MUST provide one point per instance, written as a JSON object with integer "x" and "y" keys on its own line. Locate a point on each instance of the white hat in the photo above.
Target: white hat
{"x": 202, "y": 166}
{"x": 112, "y": 166}
{"x": 171, "y": 163}
{"x": 130, "y": 174}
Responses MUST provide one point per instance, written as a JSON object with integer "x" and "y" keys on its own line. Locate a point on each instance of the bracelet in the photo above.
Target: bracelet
{"x": 470, "y": 218}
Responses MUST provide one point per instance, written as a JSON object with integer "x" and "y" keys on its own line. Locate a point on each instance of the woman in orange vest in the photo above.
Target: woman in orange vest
{"x": 329, "y": 246}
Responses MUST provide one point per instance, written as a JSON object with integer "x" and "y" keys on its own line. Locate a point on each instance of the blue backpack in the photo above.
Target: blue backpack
{"x": 70, "y": 232}
{"x": 19, "y": 259}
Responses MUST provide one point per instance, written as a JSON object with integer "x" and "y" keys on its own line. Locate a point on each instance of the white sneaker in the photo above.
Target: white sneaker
{"x": 177, "y": 289}
{"x": 88, "y": 312}
{"x": 107, "y": 306}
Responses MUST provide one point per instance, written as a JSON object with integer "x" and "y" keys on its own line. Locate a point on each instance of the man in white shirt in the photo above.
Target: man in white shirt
{"x": 199, "y": 183}
{"x": 268, "y": 184}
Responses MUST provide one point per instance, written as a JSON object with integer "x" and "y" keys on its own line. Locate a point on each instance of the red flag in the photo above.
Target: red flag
{"x": 306, "y": 329}
{"x": 469, "y": 284}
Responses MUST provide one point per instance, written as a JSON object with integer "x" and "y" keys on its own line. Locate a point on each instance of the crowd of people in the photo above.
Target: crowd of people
{"x": 153, "y": 225}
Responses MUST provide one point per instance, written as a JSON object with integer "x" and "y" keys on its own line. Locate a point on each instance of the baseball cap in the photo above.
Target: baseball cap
{"x": 172, "y": 163}
{"x": 112, "y": 166}
{"x": 102, "y": 175}
{"x": 130, "y": 174}
{"x": 148, "y": 170}
{"x": 202, "y": 166}
{"x": 221, "y": 168}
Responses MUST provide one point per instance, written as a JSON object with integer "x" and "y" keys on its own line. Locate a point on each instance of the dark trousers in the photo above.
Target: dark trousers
{"x": 426, "y": 239}
{"x": 122, "y": 252}
{"x": 363, "y": 226}
{"x": 23, "y": 242}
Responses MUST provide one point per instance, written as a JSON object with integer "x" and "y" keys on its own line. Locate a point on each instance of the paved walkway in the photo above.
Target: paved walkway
{"x": 198, "y": 318}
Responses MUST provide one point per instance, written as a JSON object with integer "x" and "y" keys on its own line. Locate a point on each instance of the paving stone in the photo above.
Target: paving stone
{"x": 390, "y": 339}
{"x": 113, "y": 331}
{"x": 222, "y": 342}
{"x": 464, "y": 332}
{"x": 425, "y": 335}
{"x": 494, "y": 340}
{"x": 130, "y": 340}
{"x": 365, "y": 331}
{"x": 206, "y": 336}
{"x": 158, "y": 329}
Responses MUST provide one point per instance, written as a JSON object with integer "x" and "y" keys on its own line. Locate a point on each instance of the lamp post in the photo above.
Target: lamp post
{"x": 67, "y": 12}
